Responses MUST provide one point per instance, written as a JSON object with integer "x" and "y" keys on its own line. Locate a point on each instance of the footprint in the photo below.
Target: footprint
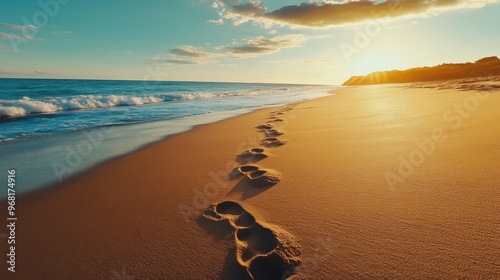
{"x": 276, "y": 120}
{"x": 263, "y": 178}
{"x": 265, "y": 126}
{"x": 247, "y": 168}
{"x": 257, "y": 240}
{"x": 265, "y": 251}
{"x": 273, "y": 142}
{"x": 245, "y": 220}
{"x": 268, "y": 267}
{"x": 258, "y": 178}
{"x": 252, "y": 155}
{"x": 232, "y": 212}
{"x": 273, "y": 132}
{"x": 229, "y": 208}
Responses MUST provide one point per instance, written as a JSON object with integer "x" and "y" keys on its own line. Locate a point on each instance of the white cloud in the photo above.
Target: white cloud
{"x": 260, "y": 45}
{"x": 216, "y": 22}
{"x": 19, "y": 27}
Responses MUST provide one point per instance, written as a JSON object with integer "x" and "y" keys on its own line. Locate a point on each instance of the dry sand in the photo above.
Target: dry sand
{"x": 375, "y": 182}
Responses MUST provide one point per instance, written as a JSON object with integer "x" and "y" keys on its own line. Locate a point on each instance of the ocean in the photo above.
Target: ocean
{"x": 53, "y": 129}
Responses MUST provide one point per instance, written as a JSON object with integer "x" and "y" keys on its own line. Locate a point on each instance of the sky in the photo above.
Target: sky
{"x": 311, "y": 42}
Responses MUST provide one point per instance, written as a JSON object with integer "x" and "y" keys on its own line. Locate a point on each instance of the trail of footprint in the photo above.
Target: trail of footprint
{"x": 265, "y": 251}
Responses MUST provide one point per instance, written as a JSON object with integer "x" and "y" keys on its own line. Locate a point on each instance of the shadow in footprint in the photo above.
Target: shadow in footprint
{"x": 270, "y": 267}
{"x": 273, "y": 132}
{"x": 273, "y": 142}
{"x": 276, "y": 113}
{"x": 261, "y": 251}
{"x": 247, "y": 189}
{"x": 220, "y": 229}
{"x": 258, "y": 240}
{"x": 232, "y": 269}
{"x": 252, "y": 155}
{"x": 254, "y": 180}
{"x": 276, "y": 120}
{"x": 241, "y": 171}
{"x": 265, "y": 126}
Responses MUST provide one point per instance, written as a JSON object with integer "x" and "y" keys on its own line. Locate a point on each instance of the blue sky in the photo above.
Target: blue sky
{"x": 324, "y": 42}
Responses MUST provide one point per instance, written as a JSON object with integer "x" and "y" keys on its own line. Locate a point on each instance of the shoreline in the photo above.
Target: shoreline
{"x": 326, "y": 205}
{"x": 97, "y": 152}
{"x": 32, "y": 194}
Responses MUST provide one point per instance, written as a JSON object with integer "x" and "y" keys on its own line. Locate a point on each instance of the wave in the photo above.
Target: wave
{"x": 27, "y": 106}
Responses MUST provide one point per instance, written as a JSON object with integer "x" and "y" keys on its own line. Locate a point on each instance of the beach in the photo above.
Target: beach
{"x": 370, "y": 182}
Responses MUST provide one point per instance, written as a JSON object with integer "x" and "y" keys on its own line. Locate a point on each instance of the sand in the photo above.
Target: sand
{"x": 373, "y": 182}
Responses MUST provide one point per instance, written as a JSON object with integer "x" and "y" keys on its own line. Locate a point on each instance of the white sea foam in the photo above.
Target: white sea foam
{"x": 26, "y": 105}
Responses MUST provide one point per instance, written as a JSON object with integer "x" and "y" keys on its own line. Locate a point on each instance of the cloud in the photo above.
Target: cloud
{"x": 8, "y": 36}
{"x": 19, "y": 27}
{"x": 173, "y": 60}
{"x": 23, "y": 28}
{"x": 262, "y": 46}
{"x": 190, "y": 51}
{"x": 216, "y": 22}
{"x": 249, "y": 47}
{"x": 333, "y": 13}
{"x": 179, "y": 61}
{"x": 11, "y": 36}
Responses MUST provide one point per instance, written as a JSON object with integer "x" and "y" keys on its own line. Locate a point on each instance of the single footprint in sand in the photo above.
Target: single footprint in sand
{"x": 255, "y": 240}
{"x": 259, "y": 178}
{"x": 265, "y": 251}
{"x": 252, "y": 155}
{"x": 273, "y": 132}
{"x": 265, "y": 126}
{"x": 245, "y": 169}
{"x": 273, "y": 142}
{"x": 276, "y": 120}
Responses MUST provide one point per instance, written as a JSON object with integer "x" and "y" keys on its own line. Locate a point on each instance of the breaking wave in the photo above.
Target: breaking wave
{"x": 27, "y": 105}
